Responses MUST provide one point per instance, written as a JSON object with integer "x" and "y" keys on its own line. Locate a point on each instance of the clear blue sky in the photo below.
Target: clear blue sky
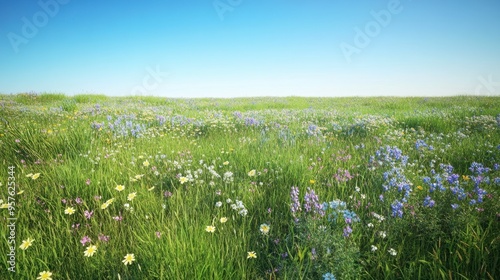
{"x": 229, "y": 48}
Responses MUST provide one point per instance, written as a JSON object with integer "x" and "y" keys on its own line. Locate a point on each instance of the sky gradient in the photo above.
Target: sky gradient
{"x": 233, "y": 48}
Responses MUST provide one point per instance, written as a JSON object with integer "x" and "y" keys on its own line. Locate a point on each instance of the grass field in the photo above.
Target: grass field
{"x": 252, "y": 188}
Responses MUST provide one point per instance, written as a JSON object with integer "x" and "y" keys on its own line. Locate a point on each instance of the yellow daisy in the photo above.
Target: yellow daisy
{"x": 128, "y": 259}
{"x": 210, "y": 229}
{"x": 26, "y": 243}
{"x": 69, "y": 211}
{"x": 90, "y": 251}
{"x": 131, "y": 196}
{"x": 45, "y": 275}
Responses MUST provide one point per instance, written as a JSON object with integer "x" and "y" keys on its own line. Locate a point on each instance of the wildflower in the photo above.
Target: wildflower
{"x": 454, "y": 206}
{"x": 264, "y": 228}
{"x": 128, "y": 259}
{"x": 145, "y": 163}
{"x": 69, "y": 211}
{"x": 251, "y": 255}
{"x": 103, "y": 237}
{"x": 210, "y": 229}
{"x": 131, "y": 196}
{"x": 428, "y": 202}
{"x": 78, "y": 200}
{"x": 90, "y": 251}
{"x": 223, "y": 219}
{"x": 85, "y": 240}
{"x": 35, "y": 176}
{"x": 87, "y": 182}
{"x": 374, "y": 248}
{"x": 328, "y": 276}
{"x": 420, "y": 188}
{"x": 183, "y": 180}
{"x": 294, "y": 194}
{"x": 225, "y": 163}
{"x": 45, "y": 275}
{"x": 347, "y": 231}
{"x": 251, "y": 173}
{"x": 382, "y": 234}
{"x": 88, "y": 214}
{"x": 118, "y": 218}
{"x": 104, "y": 205}
{"x": 392, "y": 252}
{"x": 158, "y": 234}
{"x": 370, "y": 225}
{"x": 218, "y": 204}
{"x": 26, "y": 243}
{"x": 312, "y": 182}
{"x": 120, "y": 188}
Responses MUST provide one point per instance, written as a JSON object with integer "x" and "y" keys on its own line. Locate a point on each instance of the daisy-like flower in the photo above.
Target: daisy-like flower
{"x": 26, "y": 243}
{"x": 392, "y": 252}
{"x": 210, "y": 229}
{"x": 90, "y": 251}
{"x": 131, "y": 196}
{"x": 139, "y": 176}
{"x": 120, "y": 188}
{"x": 374, "y": 248}
{"x": 35, "y": 176}
{"x": 128, "y": 259}
{"x": 264, "y": 228}
{"x": 251, "y": 255}
{"x": 223, "y": 219}
{"x": 183, "y": 180}
{"x": 69, "y": 211}
{"x": 218, "y": 204}
{"x": 252, "y": 173}
{"x": 104, "y": 205}
{"x": 45, "y": 275}
{"x": 145, "y": 163}
{"x": 29, "y": 175}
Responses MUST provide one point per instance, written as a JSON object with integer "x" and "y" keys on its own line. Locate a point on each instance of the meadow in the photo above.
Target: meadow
{"x": 250, "y": 188}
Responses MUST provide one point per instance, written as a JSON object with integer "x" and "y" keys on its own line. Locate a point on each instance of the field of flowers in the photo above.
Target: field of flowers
{"x": 94, "y": 187}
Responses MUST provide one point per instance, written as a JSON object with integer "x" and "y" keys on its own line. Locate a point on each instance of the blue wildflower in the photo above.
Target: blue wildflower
{"x": 328, "y": 276}
{"x": 428, "y": 202}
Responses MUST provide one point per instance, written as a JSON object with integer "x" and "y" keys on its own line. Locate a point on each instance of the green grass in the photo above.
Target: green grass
{"x": 83, "y": 146}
